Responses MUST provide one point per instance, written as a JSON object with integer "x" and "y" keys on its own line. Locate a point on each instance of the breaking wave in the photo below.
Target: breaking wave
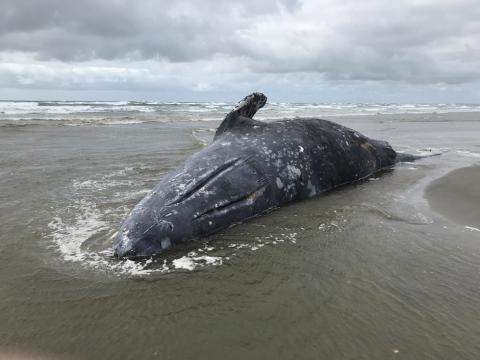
{"x": 88, "y": 113}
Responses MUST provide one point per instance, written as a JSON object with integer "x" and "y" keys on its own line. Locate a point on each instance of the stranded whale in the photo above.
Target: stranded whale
{"x": 250, "y": 168}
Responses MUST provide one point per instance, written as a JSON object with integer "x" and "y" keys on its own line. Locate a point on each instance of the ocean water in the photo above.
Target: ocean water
{"x": 134, "y": 112}
{"x": 369, "y": 271}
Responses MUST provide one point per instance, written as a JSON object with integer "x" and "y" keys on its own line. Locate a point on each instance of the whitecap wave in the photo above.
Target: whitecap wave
{"x": 471, "y": 228}
{"x": 200, "y": 111}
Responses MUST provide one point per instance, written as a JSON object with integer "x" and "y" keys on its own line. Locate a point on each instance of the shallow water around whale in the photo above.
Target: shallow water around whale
{"x": 369, "y": 271}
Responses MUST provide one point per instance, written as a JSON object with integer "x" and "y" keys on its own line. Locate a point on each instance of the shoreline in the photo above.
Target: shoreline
{"x": 456, "y": 196}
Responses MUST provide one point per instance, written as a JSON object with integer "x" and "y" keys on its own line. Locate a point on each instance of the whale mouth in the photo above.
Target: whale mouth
{"x": 132, "y": 254}
{"x": 122, "y": 251}
{"x": 131, "y": 245}
{"x": 126, "y": 248}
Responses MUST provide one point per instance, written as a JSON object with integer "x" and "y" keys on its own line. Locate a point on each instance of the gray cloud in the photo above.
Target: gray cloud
{"x": 112, "y": 29}
{"x": 198, "y": 45}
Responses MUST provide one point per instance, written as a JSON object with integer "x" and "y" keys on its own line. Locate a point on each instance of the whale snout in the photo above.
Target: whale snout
{"x": 124, "y": 247}
{"x": 137, "y": 241}
{"x": 128, "y": 248}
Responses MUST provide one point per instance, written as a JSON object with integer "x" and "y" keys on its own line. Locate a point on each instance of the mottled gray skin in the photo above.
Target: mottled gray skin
{"x": 250, "y": 168}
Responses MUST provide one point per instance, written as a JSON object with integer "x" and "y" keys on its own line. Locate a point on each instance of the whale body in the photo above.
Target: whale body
{"x": 249, "y": 169}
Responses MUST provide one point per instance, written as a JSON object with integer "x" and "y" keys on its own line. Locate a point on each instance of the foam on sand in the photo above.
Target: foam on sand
{"x": 191, "y": 261}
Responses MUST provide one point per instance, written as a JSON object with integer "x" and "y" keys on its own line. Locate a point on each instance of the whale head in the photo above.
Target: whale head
{"x": 152, "y": 227}
{"x": 197, "y": 200}
{"x": 137, "y": 239}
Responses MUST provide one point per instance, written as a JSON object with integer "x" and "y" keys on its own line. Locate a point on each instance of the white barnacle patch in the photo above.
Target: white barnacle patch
{"x": 279, "y": 183}
{"x": 225, "y": 143}
{"x": 266, "y": 150}
{"x": 166, "y": 243}
{"x": 293, "y": 172}
{"x": 301, "y": 148}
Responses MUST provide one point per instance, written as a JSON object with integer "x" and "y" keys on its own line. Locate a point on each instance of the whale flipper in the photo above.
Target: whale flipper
{"x": 243, "y": 112}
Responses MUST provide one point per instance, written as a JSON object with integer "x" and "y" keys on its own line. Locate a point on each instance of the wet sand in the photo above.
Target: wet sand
{"x": 361, "y": 273}
{"x": 456, "y": 196}
{"x": 11, "y": 354}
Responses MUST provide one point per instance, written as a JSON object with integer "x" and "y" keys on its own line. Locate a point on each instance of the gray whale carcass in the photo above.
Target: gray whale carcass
{"x": 250, "y": 168}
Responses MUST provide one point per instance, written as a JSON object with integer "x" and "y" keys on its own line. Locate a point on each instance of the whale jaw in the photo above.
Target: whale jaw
{"x": 132, "y": 242}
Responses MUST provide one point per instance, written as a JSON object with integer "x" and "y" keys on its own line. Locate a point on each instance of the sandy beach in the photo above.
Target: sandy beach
{"x": 370, "y": 271}
{"x": 457, "y": 196}
{"x": 147, "y": 212}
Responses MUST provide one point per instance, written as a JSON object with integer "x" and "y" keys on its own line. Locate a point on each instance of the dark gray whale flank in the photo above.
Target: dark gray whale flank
{"x": 250, "y": 168}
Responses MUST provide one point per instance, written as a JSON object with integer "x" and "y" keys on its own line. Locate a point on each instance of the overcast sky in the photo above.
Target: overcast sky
{"x": 293, "y": 50}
